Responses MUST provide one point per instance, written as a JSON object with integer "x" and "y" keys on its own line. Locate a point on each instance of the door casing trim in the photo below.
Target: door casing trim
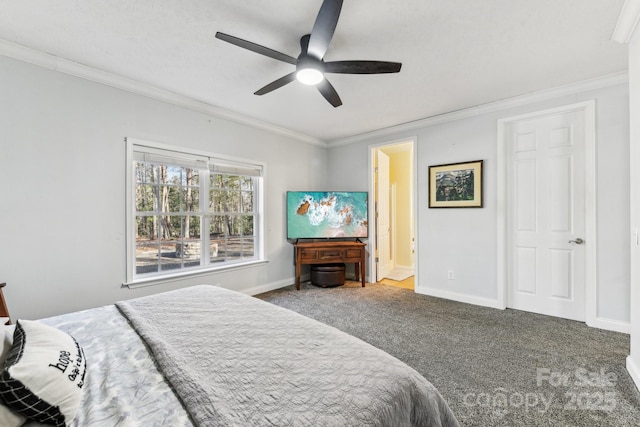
{"x": 588, "y": 108}
{"x": 373, "y": 236}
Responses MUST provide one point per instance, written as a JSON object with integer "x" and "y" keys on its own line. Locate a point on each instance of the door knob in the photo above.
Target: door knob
{"x": 577, "y": 241}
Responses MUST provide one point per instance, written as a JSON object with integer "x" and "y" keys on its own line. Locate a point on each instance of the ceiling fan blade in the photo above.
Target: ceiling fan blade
{"x": 256, "y": 48}
{"x": 362, "y": 67}
{"x": 324, "y": 27}
{"x": 329, "y": 93}
{"x": 276, "y": 84}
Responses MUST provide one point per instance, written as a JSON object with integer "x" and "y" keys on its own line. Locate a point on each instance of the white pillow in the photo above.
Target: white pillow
{"x": 6, "y": 339}
{"x": 43, "y": 375}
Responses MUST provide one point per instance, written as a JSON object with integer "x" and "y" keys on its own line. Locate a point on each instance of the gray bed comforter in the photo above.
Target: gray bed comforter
{"x": 237, "y": 361}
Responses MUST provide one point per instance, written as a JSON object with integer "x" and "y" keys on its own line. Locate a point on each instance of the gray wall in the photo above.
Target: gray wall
{"x": 62, "y": 182}
{"x": 465, "y": 240}
{"x": 62, "y": 215}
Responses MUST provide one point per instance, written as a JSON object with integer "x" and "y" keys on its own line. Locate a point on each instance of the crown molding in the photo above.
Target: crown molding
{"x": 543, "y": 95}
{"x": 627, "y": 21}
{"x": 55, "y": 63}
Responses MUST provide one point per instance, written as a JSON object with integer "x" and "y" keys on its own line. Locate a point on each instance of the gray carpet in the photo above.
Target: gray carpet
{"x": 494, "y": 367}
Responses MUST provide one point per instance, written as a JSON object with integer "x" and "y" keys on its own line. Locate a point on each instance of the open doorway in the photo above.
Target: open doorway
{"x": 392, "y": 180}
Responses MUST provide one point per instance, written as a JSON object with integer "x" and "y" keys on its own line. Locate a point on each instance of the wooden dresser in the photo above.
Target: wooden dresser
{"x": 328, "y": 252}
{"x": 4, "y": 311}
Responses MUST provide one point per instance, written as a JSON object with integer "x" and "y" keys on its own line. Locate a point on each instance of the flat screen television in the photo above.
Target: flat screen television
{"x": 327, "y": 214}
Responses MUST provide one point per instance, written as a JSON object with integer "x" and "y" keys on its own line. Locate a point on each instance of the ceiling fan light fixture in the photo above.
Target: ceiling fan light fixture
{"x": 309, "y": 76}
{"x": 310, "y": 65}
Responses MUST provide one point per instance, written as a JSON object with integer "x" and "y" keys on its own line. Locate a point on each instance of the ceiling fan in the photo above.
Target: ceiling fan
{"x": 310, "y": 66}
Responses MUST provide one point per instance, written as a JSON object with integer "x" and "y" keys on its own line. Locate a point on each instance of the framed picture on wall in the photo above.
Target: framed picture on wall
{"x": 456, "y": 185}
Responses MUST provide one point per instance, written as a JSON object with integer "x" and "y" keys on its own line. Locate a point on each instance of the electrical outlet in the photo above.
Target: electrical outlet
{"x": 451, "y": 275}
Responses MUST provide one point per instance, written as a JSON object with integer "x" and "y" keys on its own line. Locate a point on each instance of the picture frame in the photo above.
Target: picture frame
{"x": 456, "y": 185}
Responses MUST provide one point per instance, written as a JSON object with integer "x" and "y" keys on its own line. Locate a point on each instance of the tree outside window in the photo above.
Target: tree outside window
{"x": 192, "y": 215}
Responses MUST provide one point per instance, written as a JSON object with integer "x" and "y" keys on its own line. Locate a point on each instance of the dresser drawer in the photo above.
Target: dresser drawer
{"x": 309, "y": 254}
{"x": 353, "y": 254}
{"x": 330, "y": 254}
{"x": 322, "y": 255}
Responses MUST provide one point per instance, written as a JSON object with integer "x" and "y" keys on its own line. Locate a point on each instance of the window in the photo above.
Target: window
{"x": 189, "y": 212}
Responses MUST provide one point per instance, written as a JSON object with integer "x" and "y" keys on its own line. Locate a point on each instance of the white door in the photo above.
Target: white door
{"x": 546, "y": 215}
{"x": 383, "y": 238}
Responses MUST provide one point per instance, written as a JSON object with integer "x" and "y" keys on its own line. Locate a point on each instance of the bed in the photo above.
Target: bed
{"x": 208, "y": 356}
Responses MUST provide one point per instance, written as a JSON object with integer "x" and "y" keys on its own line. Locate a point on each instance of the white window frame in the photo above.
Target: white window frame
{"x": 209, "y": 162}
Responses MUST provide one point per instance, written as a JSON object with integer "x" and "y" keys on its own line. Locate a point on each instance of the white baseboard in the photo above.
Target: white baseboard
{"x": 611, "y": 325}
{"x": 274, "y": 285}
{"x": 600, "y": 322}
{"x": 454, "y": 296}
{"x": 267, "y": 287}
{"x": 634, "y": 371}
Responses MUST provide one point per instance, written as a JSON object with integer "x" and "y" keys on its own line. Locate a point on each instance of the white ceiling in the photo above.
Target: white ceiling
{"x": 455, "y": 53}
